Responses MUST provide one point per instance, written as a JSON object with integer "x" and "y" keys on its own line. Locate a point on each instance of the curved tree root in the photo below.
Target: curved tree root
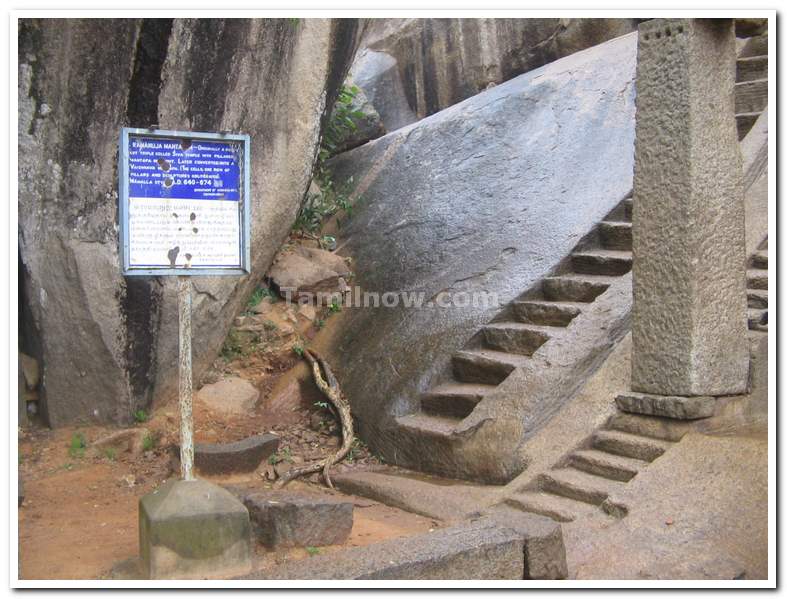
{"x": 330, "y": 388}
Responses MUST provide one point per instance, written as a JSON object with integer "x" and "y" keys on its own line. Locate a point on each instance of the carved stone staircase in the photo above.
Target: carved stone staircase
{"x": 751, "y": 89}
{"x": 524, "y": 327}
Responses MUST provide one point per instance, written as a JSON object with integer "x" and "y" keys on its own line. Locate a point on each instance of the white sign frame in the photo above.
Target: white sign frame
{"x": 244, "y": 212}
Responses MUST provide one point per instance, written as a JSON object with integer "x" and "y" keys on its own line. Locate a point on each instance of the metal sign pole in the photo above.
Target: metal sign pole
{"x": 184, "y": 372}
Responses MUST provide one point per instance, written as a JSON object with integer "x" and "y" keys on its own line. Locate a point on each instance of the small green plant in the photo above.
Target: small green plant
{"x": 356, "y": 448}
{"x": 312, "y": 551}
{"x": 232, "y": 347}
{"x": 148, "y": 442}
{"x": 298, "y": 349}
{"x": 319, "y": 323}
{"x": 321, "y": 404}
{"x": 76, "y": 449}
{"x": 335, "y": 307}
{"x": 285, "y": 455}
{"x": 140, "y": 416}
{"x": 260, "y": 294}
{"x": 110, "y": 453}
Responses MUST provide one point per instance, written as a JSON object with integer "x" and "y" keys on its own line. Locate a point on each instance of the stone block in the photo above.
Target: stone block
{"x": 669, "y": 406}
{"x": 193, "y": 529}
{"x": 289, "y": 519}
{"x": 544, "y": 551}
{"x": 689, "y": 316}
{"x": 472, "y": 550}
{"x": 240, "y": 456}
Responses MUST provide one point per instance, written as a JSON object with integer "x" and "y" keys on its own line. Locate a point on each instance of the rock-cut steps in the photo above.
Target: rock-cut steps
{"x": 529, "y": 323}
{"x": 751, "y": 91}
{"x": 585, "y": 479}
{"x": 757, "y": 289}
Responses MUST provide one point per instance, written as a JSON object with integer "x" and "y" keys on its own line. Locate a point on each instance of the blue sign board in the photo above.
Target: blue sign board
{"x": 184, "y": 205}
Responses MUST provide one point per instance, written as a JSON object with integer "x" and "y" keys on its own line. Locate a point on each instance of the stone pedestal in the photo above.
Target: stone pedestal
{"x": 193, "y": 529}
{"x": 689, "y": 317}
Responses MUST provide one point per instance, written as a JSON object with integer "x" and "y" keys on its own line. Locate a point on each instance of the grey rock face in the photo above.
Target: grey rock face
{"x": 443, "y": 61}
{"x": 377, "y": 74}
{"x": 108, "y": 346}
{"x": 487, "y": 196}
{"x": 288, "y": 519}
{"x": 689, "y": 318}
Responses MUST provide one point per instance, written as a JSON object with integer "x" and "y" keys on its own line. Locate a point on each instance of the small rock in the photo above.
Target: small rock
{"x": 307, "y": 311}
{"x": 285, "y": 330}
{"x": 232, "y": 395}
{"x": 30, "y": 370}
{"x": 282, "y": 468}
{"x": 265, "y": 306}
{"x": 131, "y": 440}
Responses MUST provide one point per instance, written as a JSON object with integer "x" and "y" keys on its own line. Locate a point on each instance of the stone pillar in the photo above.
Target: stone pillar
{"x": 689, "y": 316}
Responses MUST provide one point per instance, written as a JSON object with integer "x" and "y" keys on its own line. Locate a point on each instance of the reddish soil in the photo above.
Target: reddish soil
{"x": 79, "y": 517}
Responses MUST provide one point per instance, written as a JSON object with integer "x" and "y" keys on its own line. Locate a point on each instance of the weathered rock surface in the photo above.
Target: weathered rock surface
{"x": 467, "y": 201}
{"x": 301, "y": 273}
{"x": 30, "y": 371}
{"x": 377, "y": 75}
{"x": 108, "y": 346}
{"x": 290, "y": 519}
{"x": 232, "y": 395}
{"x": 440, "y": 62}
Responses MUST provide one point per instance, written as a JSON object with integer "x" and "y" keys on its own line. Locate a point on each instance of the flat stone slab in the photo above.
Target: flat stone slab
{"x": 472, "y": 550}
{"x": 669, "y": 406}
{"x": 193, "y": 529}
{"x": 240, "y": 456}
{"x": 290, "y": 519}
{"x": 430, "y": 496}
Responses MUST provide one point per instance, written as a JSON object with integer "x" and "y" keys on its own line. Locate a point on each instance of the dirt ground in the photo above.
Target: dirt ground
{"x": 79, "y": 516}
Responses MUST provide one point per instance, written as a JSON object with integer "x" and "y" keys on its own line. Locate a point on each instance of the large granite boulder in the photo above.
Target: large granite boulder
{"x": 436, "y": 63}
{"x": 488, "y": 195}
{"x": 108, "y": 345}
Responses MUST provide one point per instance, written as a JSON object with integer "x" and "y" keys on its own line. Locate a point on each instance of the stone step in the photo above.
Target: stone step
{"x": 745, "y": 121}
{"x": 556, "y": 314}
{"x": 757, "y": 298}
{"x": 608, "y": 465}
{"x": 760, "y": 259}
{"x": 428, "y": 425}
{"x": 628, "y": 445}
{"x": 484, "y": 365}
{"x": 751, "y": 96}
{"x": 574, "y": 288}
{"x": 757, "y": 278}
{"x": 454, "y": 399}
{"x": 575, "y": 484}
{"x": 602, "y": 262}
{"x": 751, "y": 68}
{"x": 615, "y": 235}
{"x": 758, "y": 317}
{"x": 561, "y": 509}
{"x": 517, "y": 337}
{"x": 655, "y": 427}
